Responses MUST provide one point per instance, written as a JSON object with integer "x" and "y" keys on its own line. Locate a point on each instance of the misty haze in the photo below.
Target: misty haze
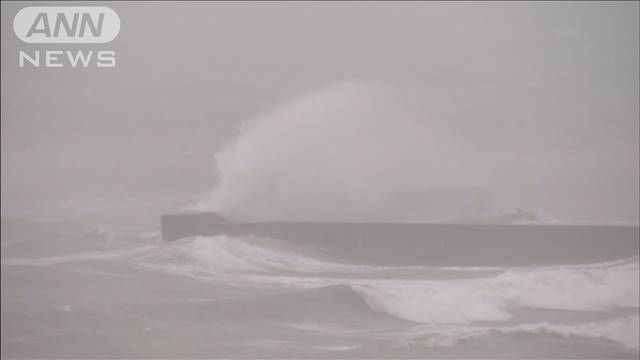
{"x": 325, "y": 180}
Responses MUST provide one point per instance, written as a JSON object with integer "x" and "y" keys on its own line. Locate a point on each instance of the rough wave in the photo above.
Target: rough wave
{"x": 587, "y": 288}
{"x": 482, "y": 294}
{"x": 487, "y": 296}
{"x": 623, "y": 331}
{"x": 223, "y": 254}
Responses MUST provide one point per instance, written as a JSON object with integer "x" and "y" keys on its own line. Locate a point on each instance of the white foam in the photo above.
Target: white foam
{"x": 622, "y": 331}
{"x": 221, "y": 254}
{"x": 435, "y": 302}
{"x": 590, "y": 287}
{"x": 339, "y": 347}
{"x": 584, "y": 288}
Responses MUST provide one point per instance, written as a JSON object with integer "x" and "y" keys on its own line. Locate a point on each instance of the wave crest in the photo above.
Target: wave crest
{"x": 584, "y": 288}
{"x": 623, "y": 331}
{"x": 223, "y": 254}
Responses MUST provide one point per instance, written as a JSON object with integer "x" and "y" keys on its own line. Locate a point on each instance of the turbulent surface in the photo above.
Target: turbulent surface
{"x": 70, "y": 291}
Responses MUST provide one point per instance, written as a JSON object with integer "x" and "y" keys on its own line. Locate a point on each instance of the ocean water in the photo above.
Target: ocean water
{"x": 72, "y": 291}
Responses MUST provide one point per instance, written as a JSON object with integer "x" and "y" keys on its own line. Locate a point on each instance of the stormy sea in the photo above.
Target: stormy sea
{"x": 73, "y": 291}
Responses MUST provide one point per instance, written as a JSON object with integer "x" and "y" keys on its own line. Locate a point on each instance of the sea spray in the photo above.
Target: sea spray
{"x": 353, "y": 151}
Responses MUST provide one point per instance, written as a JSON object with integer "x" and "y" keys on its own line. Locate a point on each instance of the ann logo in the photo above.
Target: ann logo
{"x": 76, "y": 27}
{"x": 66, "y": 25}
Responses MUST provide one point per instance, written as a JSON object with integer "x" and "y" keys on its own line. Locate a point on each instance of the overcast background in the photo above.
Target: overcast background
{"x": 107, "y": 145}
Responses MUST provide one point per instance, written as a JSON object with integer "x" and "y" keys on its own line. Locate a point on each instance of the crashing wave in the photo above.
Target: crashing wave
{"x": 622, "y": 331}
{"x": 223, "y": 254}
{"x": 585, "y": 288}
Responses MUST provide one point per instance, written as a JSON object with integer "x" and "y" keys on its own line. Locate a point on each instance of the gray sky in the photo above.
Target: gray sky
{"x": 535, "y": 79}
